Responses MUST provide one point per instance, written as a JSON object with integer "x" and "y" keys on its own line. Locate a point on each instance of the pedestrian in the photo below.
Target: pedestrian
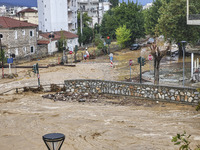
{"x": 85, "y": 57}
{"x": 87, "y": 53}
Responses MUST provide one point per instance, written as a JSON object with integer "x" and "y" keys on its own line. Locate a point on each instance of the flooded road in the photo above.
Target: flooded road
{"x": 25, "y": 118}
{"x": 137, "y": 125}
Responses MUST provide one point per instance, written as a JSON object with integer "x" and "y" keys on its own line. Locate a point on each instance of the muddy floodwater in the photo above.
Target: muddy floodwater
{"x": 120, "y": 123}
{"x": 134, "y": 125}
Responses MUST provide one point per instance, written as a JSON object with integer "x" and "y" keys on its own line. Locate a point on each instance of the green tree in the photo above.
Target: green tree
{"x": 151, "y": 16}
{"x": 123, "y": 35}
{"x": 114, "y": 3}
{"x": 129, "y": 14}
{"x": 87, "y": 32}
{"x": 172, "y": 23}
{"x": 109, "y": 25}
{"x": 62, "y": 42}
{"x": 87, "y": 36}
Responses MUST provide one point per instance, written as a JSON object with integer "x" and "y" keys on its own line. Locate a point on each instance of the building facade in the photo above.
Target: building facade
{"x": 57, "y": 15}
{"x": 30, "y": 15}
{"x": 19, "y": 37}
{"x": 52, "y": 41}
{"x": 94, "y": 8}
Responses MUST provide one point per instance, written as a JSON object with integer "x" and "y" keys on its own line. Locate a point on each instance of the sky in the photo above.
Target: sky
{"x": 33, "y": 3}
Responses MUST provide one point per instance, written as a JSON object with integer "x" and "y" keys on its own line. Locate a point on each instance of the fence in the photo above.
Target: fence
{"x": 171, "y": 94}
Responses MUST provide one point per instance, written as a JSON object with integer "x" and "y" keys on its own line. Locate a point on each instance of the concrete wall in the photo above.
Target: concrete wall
{"x": 167, "y": 93}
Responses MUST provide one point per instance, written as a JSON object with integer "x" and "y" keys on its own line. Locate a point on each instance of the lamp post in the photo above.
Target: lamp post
{"x": 183, "y": 48}
{"x": 51, "y": 36}
{"x": 54, "y": 141}
{"x": 2, "y": 55}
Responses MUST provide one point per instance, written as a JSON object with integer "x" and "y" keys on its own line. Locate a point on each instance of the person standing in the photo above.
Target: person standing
{"x": 87, "y": 53}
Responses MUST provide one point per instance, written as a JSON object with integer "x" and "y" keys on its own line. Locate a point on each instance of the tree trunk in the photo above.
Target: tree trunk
{"x": 156, "y": 71}
{"x": 180, "y": 50}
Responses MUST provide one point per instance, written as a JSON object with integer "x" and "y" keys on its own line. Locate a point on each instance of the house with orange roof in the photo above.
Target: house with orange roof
{"x": 51, "y": 39}
{"x": 19, "y": 37}
{"x": 30, "y": 15}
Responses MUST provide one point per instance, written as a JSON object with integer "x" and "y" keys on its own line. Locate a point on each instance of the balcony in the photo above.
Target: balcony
{"x": 83, "y": 1}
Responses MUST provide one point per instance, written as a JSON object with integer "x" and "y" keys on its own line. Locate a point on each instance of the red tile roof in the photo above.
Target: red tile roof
{"x": 27, "y": 10}
{"x": 57, "y": 35}
{"x": 6, "y": 22}
{"x": 41, "y": 42}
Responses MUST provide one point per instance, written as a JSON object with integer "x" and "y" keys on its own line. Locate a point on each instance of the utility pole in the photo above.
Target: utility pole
{"x": 81, "y": 22}
{"x": 2, "y": 55}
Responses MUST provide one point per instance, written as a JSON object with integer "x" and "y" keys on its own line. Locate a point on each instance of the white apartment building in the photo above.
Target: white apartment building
{"x": 2, "y": 10}
{"x": 94, "y": 8}
{"x": 57, "y": 15}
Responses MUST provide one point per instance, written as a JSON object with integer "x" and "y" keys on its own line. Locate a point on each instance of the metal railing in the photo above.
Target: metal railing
{"x": 194, "y": 17}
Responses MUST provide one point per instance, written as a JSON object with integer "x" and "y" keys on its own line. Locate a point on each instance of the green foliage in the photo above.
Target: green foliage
{"x": 114, "y": 3}
{"x": 194, "y": 7}
{"x": 198, "y": 107}
{"x": 98, "y": 40}
{"x": 86, "y": 20}
{"x": 126, "y": 14}
{"x": 172, "y": 22}
{"x": 96, "y": 28}
{"x": 123, "y": 36}
{"x": 109, "y": 24}
{"x": 151, "y": 16}
{"x": 62, "y": 42}
{"x": 2, "y": 56}
{"x": 182, "y": 140}
{"x": 87, "y": 35}
{"x": 100, "y": 45}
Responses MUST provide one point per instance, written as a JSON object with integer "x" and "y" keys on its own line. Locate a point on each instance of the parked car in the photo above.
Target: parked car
{"x": 150, "y": 41}
{"x": 135, "y": 47}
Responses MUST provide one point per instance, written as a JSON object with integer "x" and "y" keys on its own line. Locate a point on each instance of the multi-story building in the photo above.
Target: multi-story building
{"x": 94, "y": 8}
{"x": 19, "y": 37}
{"x": 57, "y": 15}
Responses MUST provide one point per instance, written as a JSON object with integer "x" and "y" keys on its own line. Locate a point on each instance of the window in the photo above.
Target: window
{"x": 24, "y": 50}
{"x": 16, "y": 51}
{"x": 32, "y": 49}
{"x": 31, "y": 33}
{"x": 15, "y": 34}
{"x": 23, "y": 32}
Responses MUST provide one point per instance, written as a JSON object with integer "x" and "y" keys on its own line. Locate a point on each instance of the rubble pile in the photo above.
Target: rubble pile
{"x": 75, "y": 97}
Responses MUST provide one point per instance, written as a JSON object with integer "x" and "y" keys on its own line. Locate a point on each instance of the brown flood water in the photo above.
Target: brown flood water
{"x": 137, "y": 125}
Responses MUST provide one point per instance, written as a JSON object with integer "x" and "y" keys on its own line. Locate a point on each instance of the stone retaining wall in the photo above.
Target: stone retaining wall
{"x": 167, "y": 93}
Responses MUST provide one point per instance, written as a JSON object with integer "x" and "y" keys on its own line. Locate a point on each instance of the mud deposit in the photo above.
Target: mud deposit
{"x": 114, "y": 123}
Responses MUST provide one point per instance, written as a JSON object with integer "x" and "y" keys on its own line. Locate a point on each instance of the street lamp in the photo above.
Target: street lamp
{"x": 54, "y": 141}
{"x": 183, "y": 48}
{"x": 2, "y": 55}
